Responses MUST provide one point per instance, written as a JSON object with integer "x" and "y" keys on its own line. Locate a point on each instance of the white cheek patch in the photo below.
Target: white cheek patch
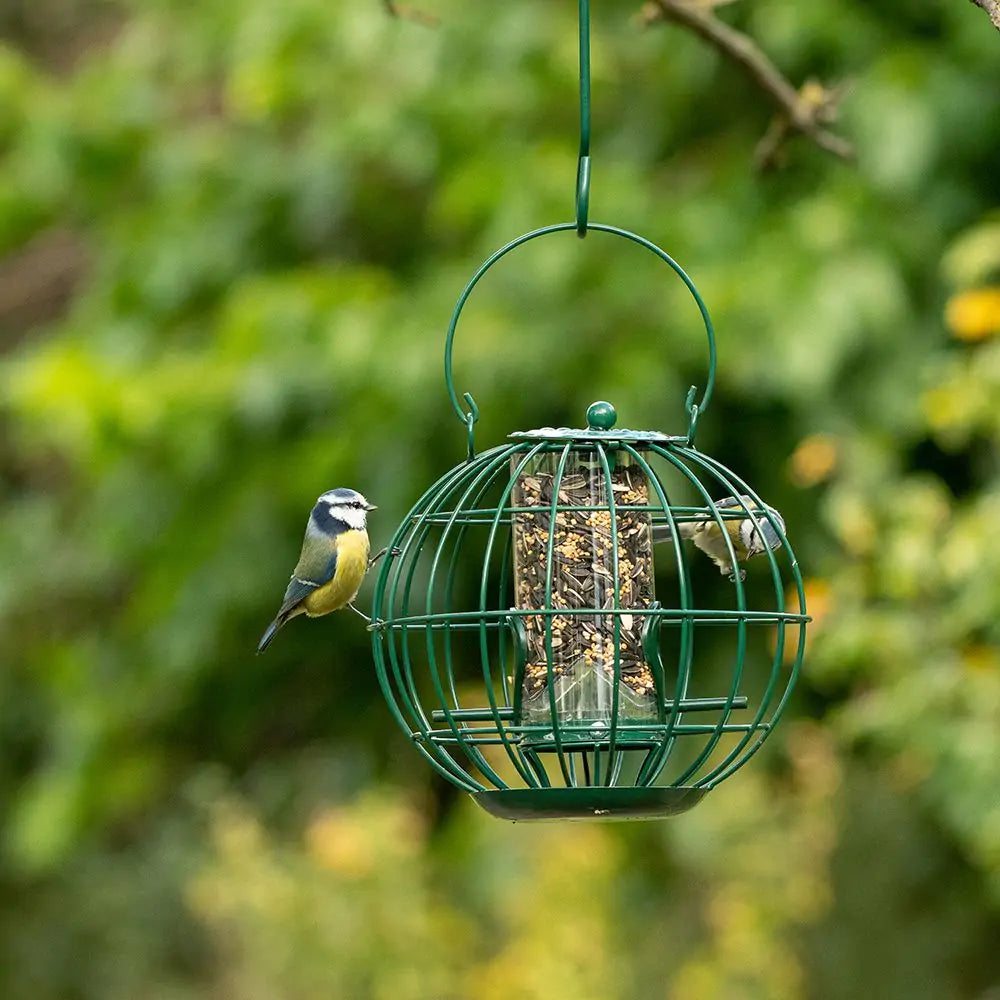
{"x": 353, "y": 517}
{"x": 764, "y": 537}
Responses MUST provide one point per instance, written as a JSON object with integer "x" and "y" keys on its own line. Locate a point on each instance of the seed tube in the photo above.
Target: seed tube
{"x": 582, "y": 667}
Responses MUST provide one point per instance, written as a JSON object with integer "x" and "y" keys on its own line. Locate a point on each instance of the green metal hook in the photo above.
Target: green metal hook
{"x": 470, "y": 423}
{"x": 694, "y": 411}
{"x": 583, "y": 162}
{"x": 470, "y": 415}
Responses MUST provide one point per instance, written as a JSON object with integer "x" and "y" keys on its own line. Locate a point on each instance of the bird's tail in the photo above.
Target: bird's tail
{"x": 663, "y": 532}
{"x": 268, "y": 635}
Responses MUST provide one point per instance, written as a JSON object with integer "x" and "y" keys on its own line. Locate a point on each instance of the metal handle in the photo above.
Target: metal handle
{"x": 470, "y": 415}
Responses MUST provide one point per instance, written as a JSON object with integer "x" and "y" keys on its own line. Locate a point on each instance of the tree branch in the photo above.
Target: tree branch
{"x": 38, "y": 281}
{"x": 805, "y": 111}
{"x": 992, "y": 7}
{"x": 408, "y": 13}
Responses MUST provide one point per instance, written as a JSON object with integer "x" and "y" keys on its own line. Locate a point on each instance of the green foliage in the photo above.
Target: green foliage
{"x": 275, "y": 204}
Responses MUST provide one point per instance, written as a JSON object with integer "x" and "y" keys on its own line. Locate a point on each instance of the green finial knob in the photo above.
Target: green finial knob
{"x": 601, "y": 416}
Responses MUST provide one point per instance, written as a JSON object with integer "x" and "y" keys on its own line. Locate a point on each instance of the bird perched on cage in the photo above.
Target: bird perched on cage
{"x": 747, "y": 539}
{"x": 332, "y": 563}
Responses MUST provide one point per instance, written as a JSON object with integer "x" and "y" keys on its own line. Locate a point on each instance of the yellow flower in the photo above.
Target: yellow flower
{"x": 341, "y": 844}
{"x": 814, "y": 460}
{"x": 819, "y": 603}
{"x": 974, "y": 315}
{"x": 980, "y": 657}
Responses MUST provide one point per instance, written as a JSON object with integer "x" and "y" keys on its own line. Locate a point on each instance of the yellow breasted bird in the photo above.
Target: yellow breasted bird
{"x": 747, "y": 540}
{"x": 332, "y": 563}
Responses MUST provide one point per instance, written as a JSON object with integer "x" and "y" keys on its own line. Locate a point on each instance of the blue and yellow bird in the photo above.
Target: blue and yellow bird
{"x": 333, "y": 561}
{"x": 748, "y": 540}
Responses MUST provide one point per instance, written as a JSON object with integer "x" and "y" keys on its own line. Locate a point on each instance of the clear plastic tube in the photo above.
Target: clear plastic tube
{"x": 584, "y": 646}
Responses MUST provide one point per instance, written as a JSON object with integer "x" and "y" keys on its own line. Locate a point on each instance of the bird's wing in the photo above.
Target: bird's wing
{"x": 664, "y": 533}
{"x": 316, "y": 566}
{"x": 744, "y": 502}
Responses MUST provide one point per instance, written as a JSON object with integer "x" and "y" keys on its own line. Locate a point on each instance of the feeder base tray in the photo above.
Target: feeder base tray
{"x": 589, "y": 803}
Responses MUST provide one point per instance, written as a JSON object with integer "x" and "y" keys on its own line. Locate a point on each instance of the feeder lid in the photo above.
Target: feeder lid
{"x": 601, "y": 418}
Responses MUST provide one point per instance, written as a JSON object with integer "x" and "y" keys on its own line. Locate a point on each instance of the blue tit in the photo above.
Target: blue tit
{"x": 333, "y": 561}
{"x": 747, "y": 539}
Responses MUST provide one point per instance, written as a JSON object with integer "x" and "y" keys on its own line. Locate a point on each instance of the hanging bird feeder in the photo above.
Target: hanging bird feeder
{"x": 585, "y": 679}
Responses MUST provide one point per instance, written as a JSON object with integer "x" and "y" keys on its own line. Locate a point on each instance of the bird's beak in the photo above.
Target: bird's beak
{"x": 370, "y": 506}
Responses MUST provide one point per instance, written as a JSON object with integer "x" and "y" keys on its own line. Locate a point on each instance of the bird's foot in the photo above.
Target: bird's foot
{"x": 381, "y": 552}
{"x": 732, "y": 576}
{"x": 360, "y": 613}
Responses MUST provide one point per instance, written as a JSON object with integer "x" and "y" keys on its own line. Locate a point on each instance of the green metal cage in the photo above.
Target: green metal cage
{"x": 536, "y": 627}
{"x": 584, "y": 678}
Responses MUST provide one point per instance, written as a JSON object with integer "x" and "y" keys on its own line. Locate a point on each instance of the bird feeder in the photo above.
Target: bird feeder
{"x": 538, "y": 643}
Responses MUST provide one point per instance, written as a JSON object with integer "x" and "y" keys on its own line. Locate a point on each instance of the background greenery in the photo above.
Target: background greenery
{"x": 232, "y": 233}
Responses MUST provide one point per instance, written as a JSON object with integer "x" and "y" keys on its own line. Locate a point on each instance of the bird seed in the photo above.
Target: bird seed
{"x": 583, "y": 578}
